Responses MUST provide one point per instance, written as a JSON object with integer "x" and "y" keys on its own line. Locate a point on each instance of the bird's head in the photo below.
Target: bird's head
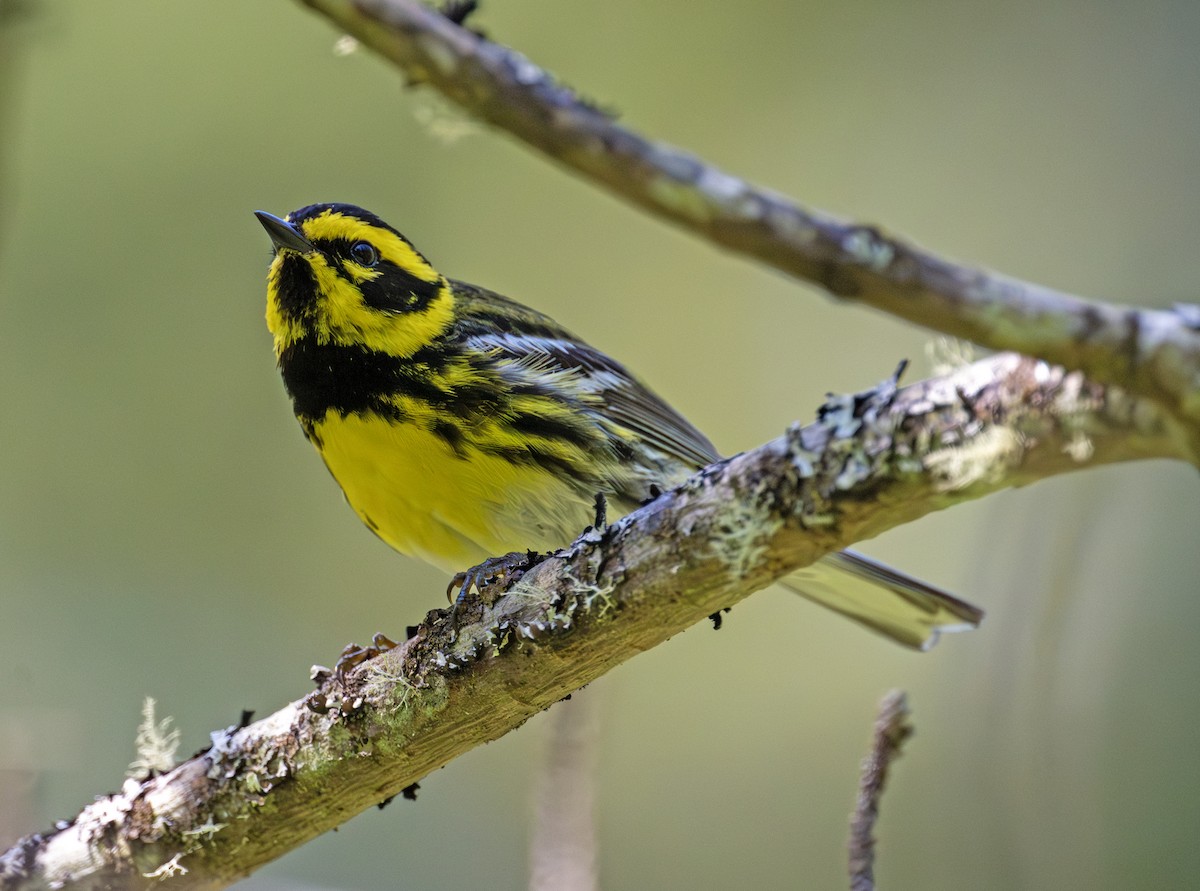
{"x": 343, "y": 276}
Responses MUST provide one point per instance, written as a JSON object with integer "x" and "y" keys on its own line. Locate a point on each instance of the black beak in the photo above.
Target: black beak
{"x": 283, "y": 234}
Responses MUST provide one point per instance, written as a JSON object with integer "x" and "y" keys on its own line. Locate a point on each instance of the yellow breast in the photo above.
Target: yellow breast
{"x": 412, "y": 490}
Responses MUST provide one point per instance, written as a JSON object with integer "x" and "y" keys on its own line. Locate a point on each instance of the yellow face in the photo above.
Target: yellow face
{"x": 342, "y": 276}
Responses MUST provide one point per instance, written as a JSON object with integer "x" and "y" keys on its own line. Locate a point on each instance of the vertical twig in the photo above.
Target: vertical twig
{"x": 892, "y": 728}
{"x": 562, "y": 854}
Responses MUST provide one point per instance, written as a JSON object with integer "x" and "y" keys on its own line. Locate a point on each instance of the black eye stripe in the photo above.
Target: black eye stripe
{"x": 344, "y": 248}
{"x": 397, "y": 291}
{"x": 393, "y": 289}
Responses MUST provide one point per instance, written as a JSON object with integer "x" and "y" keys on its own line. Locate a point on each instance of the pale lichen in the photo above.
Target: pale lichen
{"x": 156, "y": 743}
{"x": 740, "y": 541}
{"x": 986, "y": 459}
{"x": 946, "y": 355}
{"x": 869, "y": 248}
{"x": 345, "y": 46}
{"x": 588, "y": 593}
{"x": 170, "y": 869}
{"x": 1079, "y": 448}
{"x": 381, "y": 679}
{"x": 207, "y": 828}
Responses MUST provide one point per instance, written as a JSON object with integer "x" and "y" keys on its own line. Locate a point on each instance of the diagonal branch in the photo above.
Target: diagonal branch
{"x": 870, "y": 462}
{"x": 1153, "y": 353}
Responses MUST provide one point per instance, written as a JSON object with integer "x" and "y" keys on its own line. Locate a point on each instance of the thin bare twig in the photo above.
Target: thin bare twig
{"x": 1152, "y": 353}
{"x": 563, "y": 853}
{"x": 892, "y": 730}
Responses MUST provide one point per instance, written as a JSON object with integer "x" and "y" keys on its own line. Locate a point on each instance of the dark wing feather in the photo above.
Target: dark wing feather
{"x": 525, "y": 335}
{"x": 647, "y": 415}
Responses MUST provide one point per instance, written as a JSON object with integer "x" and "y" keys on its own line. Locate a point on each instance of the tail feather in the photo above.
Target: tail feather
{"x": 898, "y": 606}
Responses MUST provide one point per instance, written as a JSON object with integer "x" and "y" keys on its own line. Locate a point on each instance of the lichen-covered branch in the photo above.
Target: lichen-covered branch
{"x": 871, "y": 461}
{"x": 892, "y": 728}
{"x": 1152, "y": 353}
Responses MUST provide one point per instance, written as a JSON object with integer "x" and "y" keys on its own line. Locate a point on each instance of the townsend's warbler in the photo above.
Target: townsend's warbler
{"x": 462, "y": 425}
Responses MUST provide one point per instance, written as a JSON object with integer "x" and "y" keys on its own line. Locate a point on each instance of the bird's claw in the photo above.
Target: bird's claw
{"x": 494, "y": 570}
{"x": 511, "y": 566}
{"x": 355, "y": 655}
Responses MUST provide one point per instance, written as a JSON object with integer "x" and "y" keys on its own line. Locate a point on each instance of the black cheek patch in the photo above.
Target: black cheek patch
{"x": 395, "y": 290}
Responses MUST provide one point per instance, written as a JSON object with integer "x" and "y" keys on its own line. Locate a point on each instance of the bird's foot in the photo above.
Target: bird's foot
{"x": 492, "y": 571}
{"x": 355, "y": 655}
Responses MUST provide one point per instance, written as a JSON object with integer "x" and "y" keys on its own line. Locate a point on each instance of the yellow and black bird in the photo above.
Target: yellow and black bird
{"x": 462, "y": 425}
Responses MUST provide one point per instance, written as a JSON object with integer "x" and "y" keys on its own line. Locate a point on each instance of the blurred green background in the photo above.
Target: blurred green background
{"x": 166, "y": 531}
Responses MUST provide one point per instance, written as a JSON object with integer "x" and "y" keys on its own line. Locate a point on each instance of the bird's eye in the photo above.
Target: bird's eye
{"x": 364, "y": 253}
